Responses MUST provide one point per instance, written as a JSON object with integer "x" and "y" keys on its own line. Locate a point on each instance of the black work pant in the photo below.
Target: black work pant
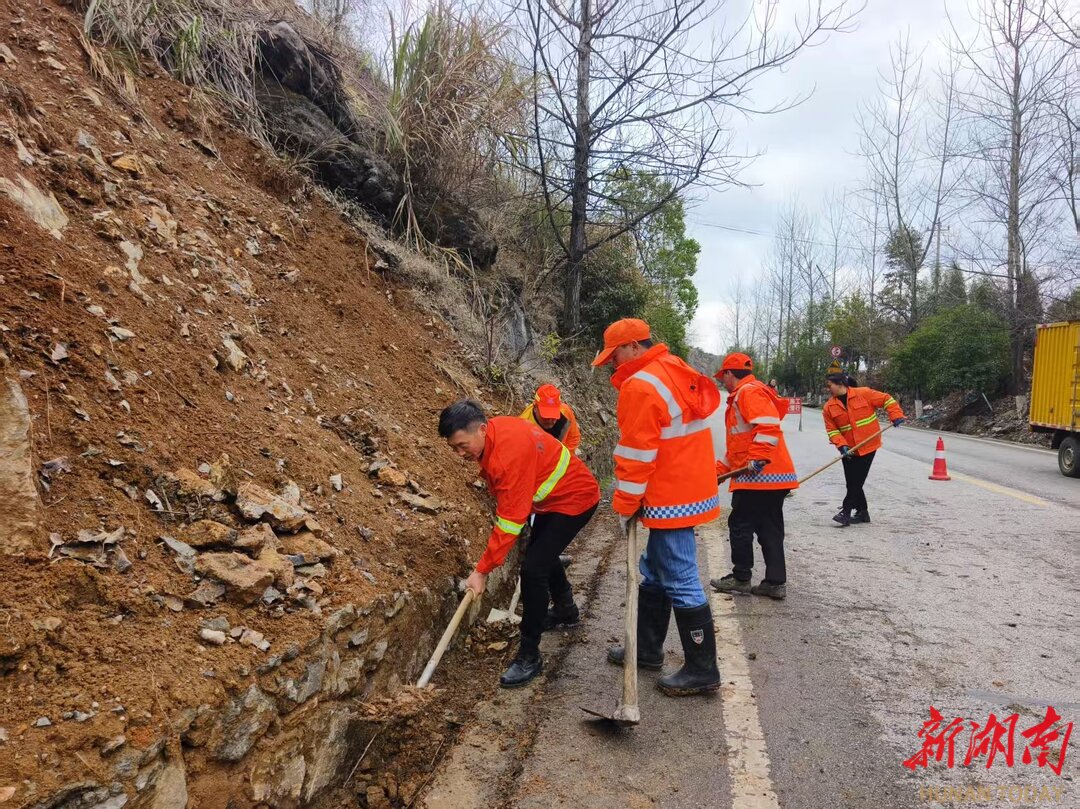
{"x": 759, "y": 512}
{"x": 856, "y": 468}
{"x": 542, "y": 573}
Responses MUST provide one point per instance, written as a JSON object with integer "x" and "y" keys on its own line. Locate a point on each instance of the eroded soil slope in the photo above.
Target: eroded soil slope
{"x": 210, "y": 354}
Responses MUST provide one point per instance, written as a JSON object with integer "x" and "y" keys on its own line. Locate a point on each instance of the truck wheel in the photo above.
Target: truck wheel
{"x": 1069, "y": 457}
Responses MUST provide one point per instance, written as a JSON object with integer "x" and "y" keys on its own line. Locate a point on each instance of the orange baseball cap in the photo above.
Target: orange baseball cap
{"x": 620, "y": 333}
{"x": 736, "y": 362}
{"x": 547, "y": 402}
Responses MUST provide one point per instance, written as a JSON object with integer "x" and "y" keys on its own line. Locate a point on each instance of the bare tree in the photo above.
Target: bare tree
{"x": 908, "y": 155}
{"x": 644, "y": 86}
{"x": 1020, "y": 67}
{"x": 737, "y": 301}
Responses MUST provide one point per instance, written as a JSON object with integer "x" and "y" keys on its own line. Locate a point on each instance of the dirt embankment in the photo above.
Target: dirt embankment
{"x": 209, "y": 354}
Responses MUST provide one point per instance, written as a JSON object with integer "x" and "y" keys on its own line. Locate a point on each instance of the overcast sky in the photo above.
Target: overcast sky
{"x": 810, "y": 151}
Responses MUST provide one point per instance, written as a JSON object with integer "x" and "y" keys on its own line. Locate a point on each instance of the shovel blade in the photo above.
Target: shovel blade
{"x": 624, "y": 716}
{"x": 497, "y": 615}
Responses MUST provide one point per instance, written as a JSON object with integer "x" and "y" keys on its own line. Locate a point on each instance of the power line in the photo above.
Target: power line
{"x": 752, "y": 232}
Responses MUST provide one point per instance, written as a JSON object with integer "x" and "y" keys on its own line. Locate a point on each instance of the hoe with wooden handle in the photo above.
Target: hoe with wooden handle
{"x": 444, "y": 641}
{"x": 627, "y": 712}
{"x": 866, "y": 440}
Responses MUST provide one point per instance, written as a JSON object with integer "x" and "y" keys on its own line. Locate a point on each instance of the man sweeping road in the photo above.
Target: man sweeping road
{"x": 528, "y": 472}
{"x": 664, "y": 473}
{"x": 755, "y": 440}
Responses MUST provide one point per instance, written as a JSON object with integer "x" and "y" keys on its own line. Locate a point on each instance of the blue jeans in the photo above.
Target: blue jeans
{"x": 669, "y": 563}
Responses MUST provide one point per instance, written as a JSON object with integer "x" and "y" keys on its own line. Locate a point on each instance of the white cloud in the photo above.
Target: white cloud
{"x": 809, "y": 151}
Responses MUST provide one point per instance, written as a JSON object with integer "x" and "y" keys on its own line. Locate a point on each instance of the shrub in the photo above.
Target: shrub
{"x": 966, "y": 348}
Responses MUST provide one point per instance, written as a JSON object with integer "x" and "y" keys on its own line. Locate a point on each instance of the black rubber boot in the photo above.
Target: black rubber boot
{"x": 524, "y": 668}
{"x": 699, "y": 674}
{"x": 563, "y": 615}
{"x": 843, "y": 516}
{"x": 860, "y": 515}
{"x": 654, "y": 615}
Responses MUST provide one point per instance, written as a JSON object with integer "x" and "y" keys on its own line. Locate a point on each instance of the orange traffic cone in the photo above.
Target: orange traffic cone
{"x": 941, "y": 472}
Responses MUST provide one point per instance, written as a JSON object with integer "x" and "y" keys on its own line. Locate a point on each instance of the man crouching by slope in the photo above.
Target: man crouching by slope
{"x": 665, "y": 474}
{"x": 528, "y": 472}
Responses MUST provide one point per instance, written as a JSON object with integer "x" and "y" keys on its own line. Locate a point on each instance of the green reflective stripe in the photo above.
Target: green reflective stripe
{"x": 833, "y": 432}
{"x": 554, "y": 477}
{"x": 867, "y": 420}
{"x": 889, "y": 402}
{"x": 845, "y": 428}
{"x": 507, "y": 526}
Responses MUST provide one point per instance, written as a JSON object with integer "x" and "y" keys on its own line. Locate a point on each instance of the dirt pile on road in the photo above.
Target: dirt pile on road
{"x": 244, "y": 519}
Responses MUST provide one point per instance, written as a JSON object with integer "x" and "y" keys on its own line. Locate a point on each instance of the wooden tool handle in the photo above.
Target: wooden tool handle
{"x": 866, "y": 440}
{"x": 444, "y": 641}
{"x": 732, "y": 473}
{"x": 630, "y": 694}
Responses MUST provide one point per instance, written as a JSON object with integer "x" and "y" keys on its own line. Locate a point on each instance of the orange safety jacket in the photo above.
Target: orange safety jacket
{"x": 664, "y": 460}
{"x": 752, "y": 420}
{"x": 565, "y": 429}
{"x": 858, "y": 421}
{"x": 529, "y": 471}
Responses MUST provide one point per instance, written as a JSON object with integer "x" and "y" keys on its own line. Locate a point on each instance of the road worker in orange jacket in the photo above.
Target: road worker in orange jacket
{"x": 755, "y": 442}
{"x": 665, "y": 476}
{"x": 554, "y": 417}
{"x": 850, "y": 417}
{"x": 528, "y": 472}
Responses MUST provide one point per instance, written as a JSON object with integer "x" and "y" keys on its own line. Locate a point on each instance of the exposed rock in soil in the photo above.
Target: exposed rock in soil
{"x": 245, "y": 580}
{"x": 247, "y": 717}
{"x": 256, "y": 503}
{"x": 18, "y": 497}
{"x": 207, "y": 534}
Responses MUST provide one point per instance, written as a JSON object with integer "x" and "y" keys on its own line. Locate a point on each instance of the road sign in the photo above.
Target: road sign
{"x": 836, "y": 352}
{"x": 794, "y": 406}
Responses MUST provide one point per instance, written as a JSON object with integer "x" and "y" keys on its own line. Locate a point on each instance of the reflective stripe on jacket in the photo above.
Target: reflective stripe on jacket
{"x": 664, "y": 459}
{"x": 529, "y": 471}
{"x": 753, "y": 433}
{"x": 858, "y": 421}
{"x": 569, "y": 434}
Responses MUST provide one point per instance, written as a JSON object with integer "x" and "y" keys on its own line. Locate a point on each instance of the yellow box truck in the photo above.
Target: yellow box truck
{"x": 1055, "y": 391}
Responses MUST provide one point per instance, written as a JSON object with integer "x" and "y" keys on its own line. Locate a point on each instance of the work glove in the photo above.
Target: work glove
{"x": 844, "y": 450}
{"x": 757, "y": 466}
{"x": 897, "y": 422}
{"x": 624, "y": 523}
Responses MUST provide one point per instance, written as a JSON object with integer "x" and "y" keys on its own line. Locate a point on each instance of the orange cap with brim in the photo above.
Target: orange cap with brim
{"x": 620, "y": 333}
{"x": 547, "y": 402}
{"x": 735, "y": 362}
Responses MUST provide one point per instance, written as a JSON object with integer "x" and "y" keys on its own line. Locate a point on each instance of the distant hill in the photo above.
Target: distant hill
{"x": 703, "y": 360}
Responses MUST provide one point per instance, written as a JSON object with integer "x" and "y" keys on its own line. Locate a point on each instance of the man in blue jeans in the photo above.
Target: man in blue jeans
{"x": 665, "y": 476}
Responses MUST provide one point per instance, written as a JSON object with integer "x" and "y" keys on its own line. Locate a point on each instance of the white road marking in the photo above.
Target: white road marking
{"x": 748, "y": 758}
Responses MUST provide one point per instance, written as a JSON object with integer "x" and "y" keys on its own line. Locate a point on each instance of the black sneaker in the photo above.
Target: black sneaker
{"x": 729, "y": 584}
{"x": 842, "y": 517}
{"x": 860, "y": 516}
{"x": 521, "y": 671}
{"x": 777, "y": 591}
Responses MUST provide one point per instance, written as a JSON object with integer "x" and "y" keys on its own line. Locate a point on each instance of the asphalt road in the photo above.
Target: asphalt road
{"x": 962, "y": 595}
